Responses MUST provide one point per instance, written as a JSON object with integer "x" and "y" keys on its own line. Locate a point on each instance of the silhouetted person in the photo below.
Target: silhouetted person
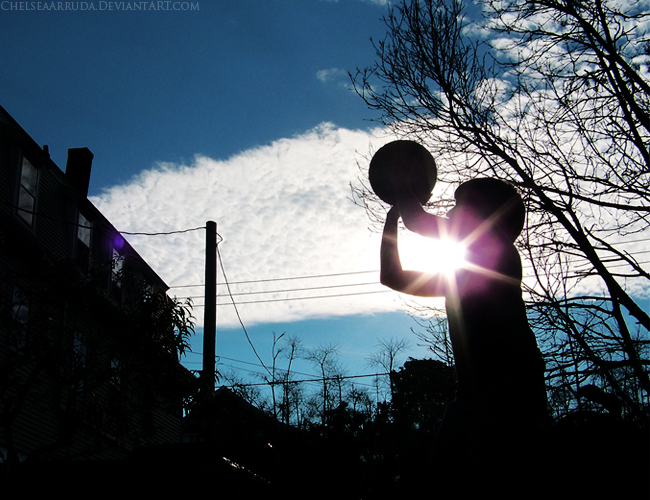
{"x": 487, "y": 438}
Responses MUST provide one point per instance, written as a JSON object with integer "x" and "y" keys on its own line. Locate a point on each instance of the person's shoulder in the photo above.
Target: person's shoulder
{"x": 490, "y": 272}
{"x": 494, "y": 255}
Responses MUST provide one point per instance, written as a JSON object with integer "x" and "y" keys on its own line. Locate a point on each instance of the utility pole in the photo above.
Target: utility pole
{"x": 210, "y": 310}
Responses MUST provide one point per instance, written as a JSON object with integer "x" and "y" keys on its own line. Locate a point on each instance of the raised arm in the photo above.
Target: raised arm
{"x": 393, "y": 276}
{"x": 416, "y": 219}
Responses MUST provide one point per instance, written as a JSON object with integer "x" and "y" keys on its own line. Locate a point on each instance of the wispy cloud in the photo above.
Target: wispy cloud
{"x": 335, "y": 76}
{"x": 283, "y": 210}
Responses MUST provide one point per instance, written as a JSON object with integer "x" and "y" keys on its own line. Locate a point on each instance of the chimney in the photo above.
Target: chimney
{"x": 77, "y": 170}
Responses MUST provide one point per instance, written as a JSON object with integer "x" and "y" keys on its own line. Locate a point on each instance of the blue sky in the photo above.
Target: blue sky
{"x": 239, "y": 112}
{"x": 149, "y": 86}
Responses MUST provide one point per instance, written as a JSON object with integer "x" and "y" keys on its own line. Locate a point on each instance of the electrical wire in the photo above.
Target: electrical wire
{"x": 165, "y": 233}
{"x": 322, "y": 379}
{"x": 223, "y": 271}
{"x": 285, "y": 279}
{"x": 284, "y": 370}
{"x": 286, "y": 290}
{"x": 375, "y": 271}
{"x": 289, "y": 290}
{"x": 107, "y": 224}
{"x": 230, "y": 294}
{"x": 288, "y": 299}
{"x": 312, "y": 379}
{"x": 340, "y": 295}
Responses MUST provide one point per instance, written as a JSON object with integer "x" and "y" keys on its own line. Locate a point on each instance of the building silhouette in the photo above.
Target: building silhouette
{"x": 72, "y": 381}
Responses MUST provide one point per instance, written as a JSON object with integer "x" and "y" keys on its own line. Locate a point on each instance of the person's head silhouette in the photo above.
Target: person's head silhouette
{"x": 487, "y": 206}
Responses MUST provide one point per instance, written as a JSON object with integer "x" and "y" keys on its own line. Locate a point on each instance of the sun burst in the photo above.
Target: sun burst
{"x": 431, "y": 255}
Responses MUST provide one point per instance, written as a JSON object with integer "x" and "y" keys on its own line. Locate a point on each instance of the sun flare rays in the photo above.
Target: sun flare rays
{"x": 431, "y": 255}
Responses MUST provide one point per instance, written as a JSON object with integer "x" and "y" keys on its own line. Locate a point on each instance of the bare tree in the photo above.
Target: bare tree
{"x": 389, "y": 350}
{"x": 249, "y": 392}
{"x": 325, "y": 358}
{"x": 273, "y": 377}
{"x": 385, "y": 358}
{"x": 291, "y": 392}
{"x": 436, "y": 337}
{"x": 360, "y": 401}
{"x": 552, "y": 95}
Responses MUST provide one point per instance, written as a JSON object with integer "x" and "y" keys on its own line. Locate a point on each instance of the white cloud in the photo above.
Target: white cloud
{"x": 334, "y": 75}
{"x": 283, "y": 210}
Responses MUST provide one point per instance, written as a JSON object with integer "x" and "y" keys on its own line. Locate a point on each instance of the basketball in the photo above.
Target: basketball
{"x": 400, "y": 164}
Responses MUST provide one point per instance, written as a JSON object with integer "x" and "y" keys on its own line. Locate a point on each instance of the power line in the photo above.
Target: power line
{"x": 165, "y": 233}
{"x": 375, "y": 271}
{"x": 347, "y": 285}
{"x": 284, "y": 279}
{"x": 218, "y": 359}
{"x": 322, "y": 379}
{"x": 287, "y": 290}
{"x": 340, "y": 295}
{"x": 255, "y": 364}
{"x": 303, "y": 298}
{"x": 106, "y": 224}
{"x": 314, "y": 378}
{"x": 223, "y": 271}
{"x": 181, "y": 231}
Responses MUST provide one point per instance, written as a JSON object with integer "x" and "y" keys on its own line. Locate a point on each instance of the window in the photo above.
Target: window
{"x": 116, "y": 372}
{"x": 27, "y": 192}
{"x": 147, "y": 290}
{"x": 82, "y": 249}
{"x": 117, "y": 267}
{"x": 20, "y": 311}
{"x": 79, "y": 349}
